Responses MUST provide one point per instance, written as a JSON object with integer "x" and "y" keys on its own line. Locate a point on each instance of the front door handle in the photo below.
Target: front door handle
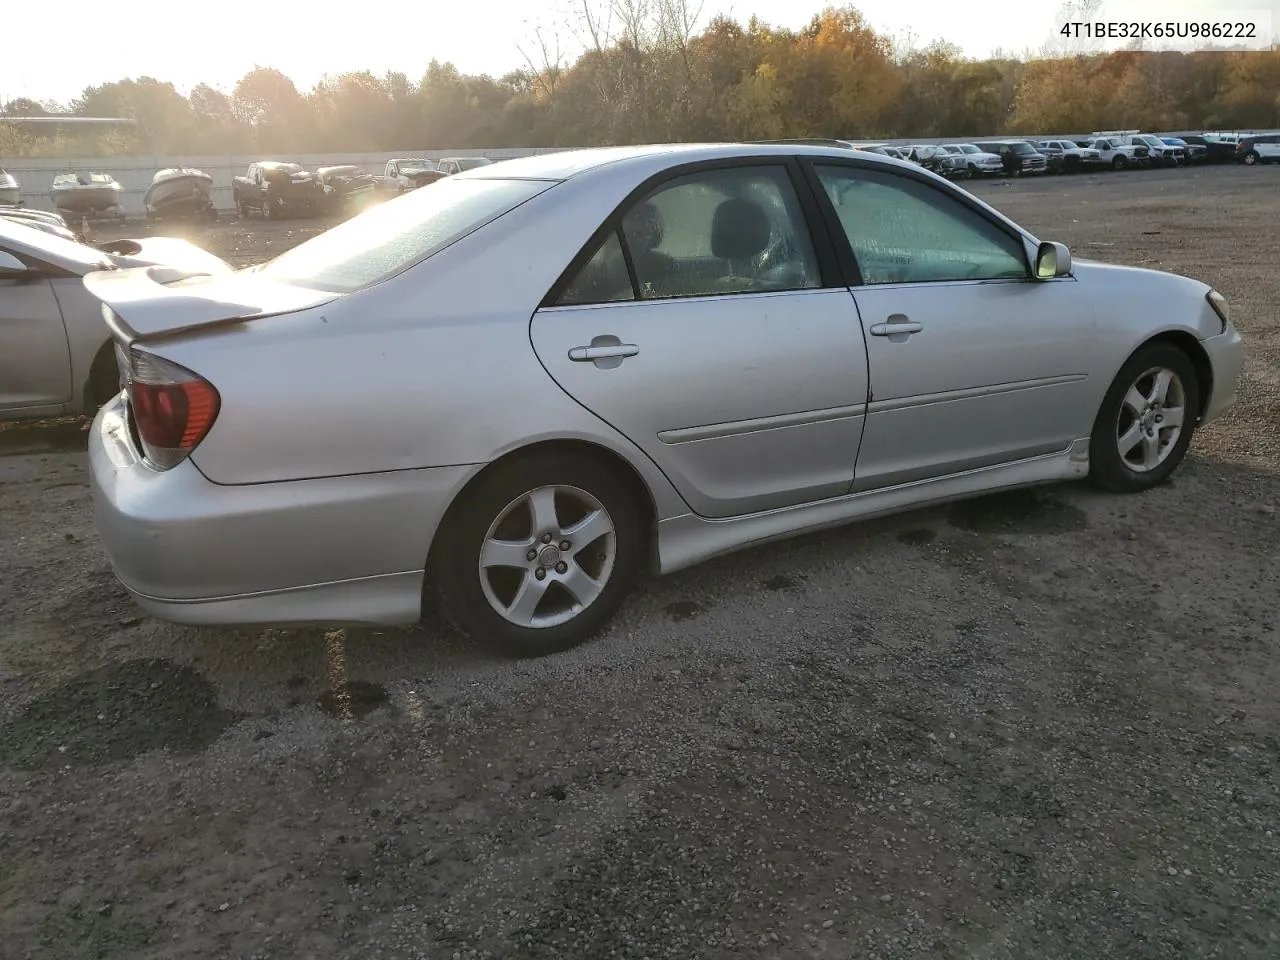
{"x": 607, "y": 352}
{"x": 896, "y": 324}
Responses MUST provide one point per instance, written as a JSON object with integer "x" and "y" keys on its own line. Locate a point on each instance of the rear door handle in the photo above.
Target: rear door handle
{"x": 606, "y": 352}
{"x": 896, "y": 324}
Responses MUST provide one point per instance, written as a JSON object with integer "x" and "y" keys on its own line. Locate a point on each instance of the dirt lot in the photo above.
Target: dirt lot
{"x": 1036, "y": 725}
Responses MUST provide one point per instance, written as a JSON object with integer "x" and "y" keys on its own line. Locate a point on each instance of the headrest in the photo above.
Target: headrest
{"x": 643, "y": 227}
{"x": 739, "y": 230}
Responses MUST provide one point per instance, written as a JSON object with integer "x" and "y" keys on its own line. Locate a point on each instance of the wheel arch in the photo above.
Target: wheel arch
{"x": 611, "y": 459}
{"x": 103, "y": 365}
{"x": 1195, "y": 352}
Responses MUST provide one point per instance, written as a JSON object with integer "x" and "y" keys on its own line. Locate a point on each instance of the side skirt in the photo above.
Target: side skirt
{"x": 688, "y": 539}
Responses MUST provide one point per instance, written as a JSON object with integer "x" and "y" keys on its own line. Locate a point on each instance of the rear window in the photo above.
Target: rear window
{"x": 387, "y": 238}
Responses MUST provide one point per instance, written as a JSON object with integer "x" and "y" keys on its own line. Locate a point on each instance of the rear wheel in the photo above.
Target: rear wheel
{"x": 1146, "y": 420}
{"x": 539, "y": 555}
{"x": 1251, "y": 157}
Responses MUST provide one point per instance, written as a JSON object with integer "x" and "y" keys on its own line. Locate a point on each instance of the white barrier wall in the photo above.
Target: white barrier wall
{"x": 35, "y": 177}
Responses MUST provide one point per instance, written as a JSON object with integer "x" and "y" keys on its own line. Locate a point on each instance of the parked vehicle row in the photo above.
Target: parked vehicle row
{"x": 1101, "y": 150}
{"x": 271, "y": 188}
{"x": 277, "y": 189}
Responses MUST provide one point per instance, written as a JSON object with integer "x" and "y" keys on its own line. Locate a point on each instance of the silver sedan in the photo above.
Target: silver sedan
{"x": 513, "y": 392}
{"x": 55, "y": 352}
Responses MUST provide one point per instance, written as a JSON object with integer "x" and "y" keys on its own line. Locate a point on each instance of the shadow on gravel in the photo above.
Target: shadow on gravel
{"x": 44, "y": 436}
{"x": 1018, "y": 511}
{"x": 354, "y": 700}
{"x": 114, "y": 713}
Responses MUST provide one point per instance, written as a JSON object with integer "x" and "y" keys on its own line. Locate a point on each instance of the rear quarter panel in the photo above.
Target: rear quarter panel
{"x": 432, "y": 368}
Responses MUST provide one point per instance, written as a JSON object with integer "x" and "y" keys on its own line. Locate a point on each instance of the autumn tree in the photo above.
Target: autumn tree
{"x": 598, "y": 72}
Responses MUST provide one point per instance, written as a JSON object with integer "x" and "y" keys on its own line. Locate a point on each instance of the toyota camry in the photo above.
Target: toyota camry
{"x": 513, "y": 393}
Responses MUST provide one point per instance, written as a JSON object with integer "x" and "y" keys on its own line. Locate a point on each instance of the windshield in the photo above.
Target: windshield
{"x": 415, "y": 166}
{"x": 470, "y": 163}
{"x": 283, "y": 167}
{"x": 385, "y": 239}
{"x": 1022, "y": 148}
{"x": 969, "y": 148}
{"x": 22, "y": 239}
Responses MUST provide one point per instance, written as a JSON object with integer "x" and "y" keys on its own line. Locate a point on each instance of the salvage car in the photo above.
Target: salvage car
{"x": 979, "y": 162}
{"x": 40, "y": 220}
{"x": 408, "y": 173}
{"x": 345, "y": 185}
{"x": 1067, "y": 156}
{"x": 277, "y": 189}
{"x": 450, "y": 166}
{"x": 1030, "y": 160}
{"x": 704, "y": 347}
{"x": 55, "y": 352}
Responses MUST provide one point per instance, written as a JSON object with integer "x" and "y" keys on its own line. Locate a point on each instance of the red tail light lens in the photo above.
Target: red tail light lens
{"x": 173, "y": 408}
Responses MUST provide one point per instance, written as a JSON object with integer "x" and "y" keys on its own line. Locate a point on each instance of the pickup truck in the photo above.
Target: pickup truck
{"x": 275, "y": 189}
{"x": 407, "y": 173}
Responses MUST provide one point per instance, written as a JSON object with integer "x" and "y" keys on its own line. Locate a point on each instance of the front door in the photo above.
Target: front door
{"x": 35, "y": 365}
{"x": 700, "y": 329}
{"x": 972, "y": 363}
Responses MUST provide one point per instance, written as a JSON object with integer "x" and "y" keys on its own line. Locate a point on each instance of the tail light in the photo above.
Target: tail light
{"x": 172, "y": 409}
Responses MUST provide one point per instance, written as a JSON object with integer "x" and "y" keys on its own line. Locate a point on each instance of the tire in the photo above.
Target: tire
{"x": 266, "y": 207}
{"x": 243, "y": 209}
{"x": 469, "y": 595}
{"x": 1122, "y": 414}
{"x": 1119, "y": 163}
{"x": 1251, "y": 157}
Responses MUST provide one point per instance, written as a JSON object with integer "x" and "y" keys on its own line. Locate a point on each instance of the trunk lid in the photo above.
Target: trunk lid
{"x": 146, "y": 303}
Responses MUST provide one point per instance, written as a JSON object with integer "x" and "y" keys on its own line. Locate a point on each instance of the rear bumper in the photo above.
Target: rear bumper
{"x": 342, "y": 550}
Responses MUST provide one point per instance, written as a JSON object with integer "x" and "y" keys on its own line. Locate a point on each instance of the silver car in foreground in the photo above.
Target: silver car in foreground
{"x": 56, "y": 355}
{"x": 513, "y": 392}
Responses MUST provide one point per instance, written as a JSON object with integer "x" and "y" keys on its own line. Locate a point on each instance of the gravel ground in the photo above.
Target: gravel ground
{"x": 1036, "y": 725}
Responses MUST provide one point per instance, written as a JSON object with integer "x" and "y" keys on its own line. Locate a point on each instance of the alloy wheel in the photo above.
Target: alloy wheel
{"x": 548, "y": 556}
{"x": 1151, "y": 419}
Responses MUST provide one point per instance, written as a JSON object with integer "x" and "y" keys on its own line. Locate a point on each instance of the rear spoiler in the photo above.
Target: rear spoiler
{"x": 148, "y": 303}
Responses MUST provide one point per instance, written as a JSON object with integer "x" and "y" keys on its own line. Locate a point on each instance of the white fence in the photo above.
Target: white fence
{"x": 35, "y": 177}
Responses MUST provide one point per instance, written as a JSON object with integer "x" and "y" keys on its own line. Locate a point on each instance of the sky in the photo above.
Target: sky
{"x": 486, "y": 36}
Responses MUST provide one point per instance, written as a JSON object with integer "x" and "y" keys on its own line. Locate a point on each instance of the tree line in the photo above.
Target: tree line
{"x": 647, "y": 73}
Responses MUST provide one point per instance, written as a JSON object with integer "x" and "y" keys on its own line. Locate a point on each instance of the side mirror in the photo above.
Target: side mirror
{"x": 11, "y": 268}
{"x": 1052, "y": 260}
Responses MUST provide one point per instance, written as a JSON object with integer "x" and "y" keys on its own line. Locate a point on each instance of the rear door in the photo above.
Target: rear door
{"x": 702, "y": 324}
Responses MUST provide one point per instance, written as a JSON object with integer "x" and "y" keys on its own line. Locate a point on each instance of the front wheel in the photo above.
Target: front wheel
{"x": 1146, "y": 420}
{"x": 1251, "y": 158}
{"x": 538, "y": 556}
{"x": 1119, "y": 163}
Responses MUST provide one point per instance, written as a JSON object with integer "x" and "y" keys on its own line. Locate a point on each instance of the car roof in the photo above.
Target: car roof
{"x": 566, "y": 164}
